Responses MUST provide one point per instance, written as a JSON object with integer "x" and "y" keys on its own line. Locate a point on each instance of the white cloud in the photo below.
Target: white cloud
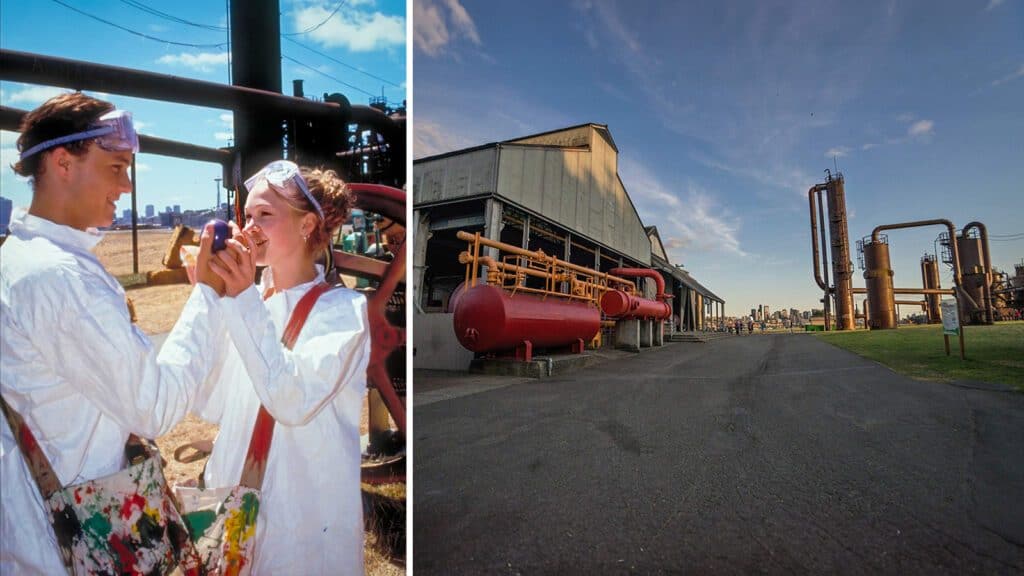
{"x": 8, "y": 156}
{"x": 431, "y": 138}
{"x": 773, "y": 174}
{"x": 431, "y": 27}
{"x": 34, "y": 95}
{"x": 227, "y": 125}
{"x": 868, "y": 146}
{"x": 140, "y": 125}
{"x": 1019, "y": 73}
{"x": 8, "y": 139}
{"x": 993, "y": 4}
{"x": 201, "y": 61}
{"x": 691, "y": 219}
{"x": 140, "y": 167}
{"x": 462, "y": 21}
{"x": 921, "y": 128}
{"x": 354, "y": 30}
{"x": 837, "y": 152}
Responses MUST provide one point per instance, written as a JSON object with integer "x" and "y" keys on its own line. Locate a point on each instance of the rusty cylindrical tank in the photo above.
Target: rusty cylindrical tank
{"x": 878, "y": 277}
{"x": 489, "y": 319}
{"x": 930, "y": 280}
{"x": 618, "y": 304}
{"x": 973, "y": 279}
{"x": 842, "y": 266}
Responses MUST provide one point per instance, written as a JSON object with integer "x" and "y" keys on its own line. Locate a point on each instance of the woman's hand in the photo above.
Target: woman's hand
{"x": 235, "y": 265}
{"x": 204, "y": 273}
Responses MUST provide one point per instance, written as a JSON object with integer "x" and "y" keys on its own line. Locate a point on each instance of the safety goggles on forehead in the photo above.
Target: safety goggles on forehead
{"x": 278, "y": 174}
{"x": 114, "y": 132}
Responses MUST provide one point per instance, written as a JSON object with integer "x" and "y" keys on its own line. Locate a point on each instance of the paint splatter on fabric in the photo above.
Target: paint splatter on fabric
{"x": 222, "y": 525}
{"x": 125, "y": 523}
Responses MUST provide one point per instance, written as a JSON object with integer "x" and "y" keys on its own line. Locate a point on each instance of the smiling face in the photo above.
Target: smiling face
{"x": 275, "y": 227}
{"x": 94, "y": 181}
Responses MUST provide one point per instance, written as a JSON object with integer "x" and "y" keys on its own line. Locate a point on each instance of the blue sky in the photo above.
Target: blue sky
{"x": 369, "y": 35}
{"x": 725, "y": 113}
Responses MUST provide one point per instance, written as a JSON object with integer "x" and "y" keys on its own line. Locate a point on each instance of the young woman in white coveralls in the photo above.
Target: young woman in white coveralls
{"x": 310, "y": 518}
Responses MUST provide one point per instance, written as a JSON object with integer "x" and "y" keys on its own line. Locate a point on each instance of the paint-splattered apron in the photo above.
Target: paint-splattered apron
{"x": 124, "y": 523}
{"x": 222, "y": 521}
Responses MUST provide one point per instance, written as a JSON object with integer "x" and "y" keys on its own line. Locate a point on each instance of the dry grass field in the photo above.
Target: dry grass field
{"x": 157, "y": 308}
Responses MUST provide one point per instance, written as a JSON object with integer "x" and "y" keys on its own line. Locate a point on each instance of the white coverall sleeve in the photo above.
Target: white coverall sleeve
{"x": 213, "y": 393}
{"x": 116, "y": 365}
{"x": 333, "y": 347}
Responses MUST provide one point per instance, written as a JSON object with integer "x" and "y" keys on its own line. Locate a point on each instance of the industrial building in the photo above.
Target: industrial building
{"x": 556, "y": 191}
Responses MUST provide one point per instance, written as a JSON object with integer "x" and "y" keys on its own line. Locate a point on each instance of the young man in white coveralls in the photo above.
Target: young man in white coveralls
{"x": 71, "y": 363}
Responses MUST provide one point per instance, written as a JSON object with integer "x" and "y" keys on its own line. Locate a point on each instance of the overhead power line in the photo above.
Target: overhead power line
{"x": 171, "y": 17}
{"x": 322, "y": 22}
{"x": 325, "y": 75}
{"x": 333, "y": 59}
{"x": 130, "y": 31}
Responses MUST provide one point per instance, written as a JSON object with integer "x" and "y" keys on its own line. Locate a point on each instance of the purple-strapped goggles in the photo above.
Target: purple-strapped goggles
{"x": 113, "y": 132}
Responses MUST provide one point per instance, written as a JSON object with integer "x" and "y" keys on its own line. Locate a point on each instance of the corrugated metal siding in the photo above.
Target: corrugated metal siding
{"x": 455, "y": 176}
{"x": 579, "y": 136}
{"x": 578, "y": 189}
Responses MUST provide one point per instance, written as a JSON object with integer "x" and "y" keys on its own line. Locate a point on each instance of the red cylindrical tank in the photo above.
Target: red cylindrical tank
{"x": 619, "y": 304}
{"x": 489, "y": 319}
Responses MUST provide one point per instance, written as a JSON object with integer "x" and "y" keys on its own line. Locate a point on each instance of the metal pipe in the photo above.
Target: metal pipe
{"x": 938, "y": 221}
{"x": 920, "y": 303}
{"x": 842, "y": 267}
{"x": 816, "y": 189}
{"x": 10, "y": 119}
{"x": 946, "y": 291}
{"x": 539, "y": 254}
{"x": 80, "y": 75}
{"x": 987, "y": 293}
{"x": 645, "y": 273}
{"x": 827, "y": 300}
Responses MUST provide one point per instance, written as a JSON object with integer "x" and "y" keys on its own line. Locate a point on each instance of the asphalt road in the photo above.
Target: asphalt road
{"x": 755, "y": 454}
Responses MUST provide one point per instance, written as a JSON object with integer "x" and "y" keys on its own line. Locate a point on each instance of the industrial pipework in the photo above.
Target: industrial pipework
{"x": 842, "y": 267}
{"x": 930, "y": 280}
{"x": 880, "y": 296}
{"x": 621, "y": 304}
{"x": 977, "y": 272}
{"x": 507, "y": 314}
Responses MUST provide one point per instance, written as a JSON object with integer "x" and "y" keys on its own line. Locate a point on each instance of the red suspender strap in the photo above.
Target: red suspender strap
{"x": 38, "y": 464}
{"x": 263, "y": 432}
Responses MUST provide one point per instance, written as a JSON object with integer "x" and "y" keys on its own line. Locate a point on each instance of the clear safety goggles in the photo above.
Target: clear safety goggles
{"x": 278, "y": 173}
{"x": 114, "y": 132}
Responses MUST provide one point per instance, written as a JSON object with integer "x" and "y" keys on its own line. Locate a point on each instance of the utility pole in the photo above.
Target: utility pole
{"x": 216, "y": 207}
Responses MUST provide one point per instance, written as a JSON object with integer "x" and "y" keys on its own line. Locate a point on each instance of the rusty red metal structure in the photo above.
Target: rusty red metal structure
{"x": 930, "y": 280}
{"x": 530, "y": 300}
{"x": 976, "y": 269}
{"x": 842, "y": 267}
{"x": 621, "y": 304}
{"x": 489, "y": 319}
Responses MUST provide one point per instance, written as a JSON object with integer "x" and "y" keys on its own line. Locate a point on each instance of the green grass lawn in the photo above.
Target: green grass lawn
{"x": 993, "y": 353}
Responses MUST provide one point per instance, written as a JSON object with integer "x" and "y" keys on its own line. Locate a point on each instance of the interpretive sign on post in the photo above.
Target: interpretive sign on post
{"x": 950, "y": 318}
{"x": 951, "y": 324}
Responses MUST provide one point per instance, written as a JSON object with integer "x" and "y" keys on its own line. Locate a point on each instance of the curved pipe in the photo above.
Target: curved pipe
{"x": 988, "y": 266}
{"x": 644, "y": 273}
{"x": 938, "y": 221}
{"x": 816, "y": 189}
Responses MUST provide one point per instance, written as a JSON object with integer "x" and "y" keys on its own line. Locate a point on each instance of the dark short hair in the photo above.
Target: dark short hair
{"x": 58, "y": 116}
